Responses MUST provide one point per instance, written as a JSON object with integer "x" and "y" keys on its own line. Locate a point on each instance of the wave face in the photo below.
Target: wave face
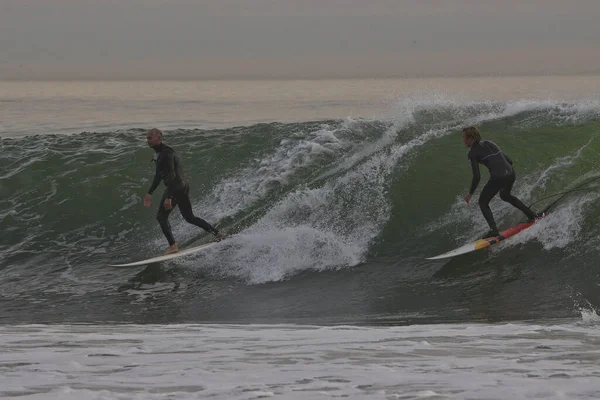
{"x": 333, "y": 221}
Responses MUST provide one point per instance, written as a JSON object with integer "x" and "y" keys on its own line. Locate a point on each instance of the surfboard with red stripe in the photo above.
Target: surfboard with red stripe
{"x": 483, "y": 243}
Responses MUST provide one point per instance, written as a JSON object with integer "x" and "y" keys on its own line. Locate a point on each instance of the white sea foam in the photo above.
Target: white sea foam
{"x": 480, "y": 361}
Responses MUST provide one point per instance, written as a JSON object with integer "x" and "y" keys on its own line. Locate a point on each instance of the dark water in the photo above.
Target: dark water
{"x": 333, "y": 222}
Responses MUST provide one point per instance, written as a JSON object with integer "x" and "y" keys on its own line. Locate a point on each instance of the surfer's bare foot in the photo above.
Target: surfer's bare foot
{"x": 172, "y": 249}
{"x": 536, "y": 217}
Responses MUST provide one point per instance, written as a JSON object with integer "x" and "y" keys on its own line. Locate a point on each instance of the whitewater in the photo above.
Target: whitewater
{"x": 336, "y": 191}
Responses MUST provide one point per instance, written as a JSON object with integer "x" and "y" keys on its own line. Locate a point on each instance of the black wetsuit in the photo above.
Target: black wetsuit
{"x": 168, "y": 169}
{"x": 502, "y": 178}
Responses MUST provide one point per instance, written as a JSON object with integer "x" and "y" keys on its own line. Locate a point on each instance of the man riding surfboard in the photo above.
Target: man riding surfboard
{"x": 502, "y": 177}
{"x": 168, "y": 170}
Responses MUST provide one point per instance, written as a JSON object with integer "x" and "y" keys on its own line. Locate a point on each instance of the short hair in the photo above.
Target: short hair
{"x": 472, "y": 132}
{"x": 155, "y": 131}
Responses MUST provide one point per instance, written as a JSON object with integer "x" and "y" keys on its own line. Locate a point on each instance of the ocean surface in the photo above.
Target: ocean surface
{"x": 334, "y": 192}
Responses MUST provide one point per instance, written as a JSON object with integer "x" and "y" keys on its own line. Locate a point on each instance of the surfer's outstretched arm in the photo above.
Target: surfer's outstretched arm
{"x": 476, "y": 175}
{"x": 155, "y": 183}
{"x": 171, "y": 179}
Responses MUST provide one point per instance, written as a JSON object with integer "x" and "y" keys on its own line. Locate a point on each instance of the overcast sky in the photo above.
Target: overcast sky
{"x": 123, "y": 39}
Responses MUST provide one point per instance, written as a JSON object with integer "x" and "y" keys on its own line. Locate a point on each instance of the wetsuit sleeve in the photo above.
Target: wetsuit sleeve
{"x": 476, "y": 174}
{"x": 155, "y": 182}
{"x": 170, "y": 175}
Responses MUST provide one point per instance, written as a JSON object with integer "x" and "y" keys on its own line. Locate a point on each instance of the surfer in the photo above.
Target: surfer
{"x": 168, "y": 169}
{"x": 502, "y": 177}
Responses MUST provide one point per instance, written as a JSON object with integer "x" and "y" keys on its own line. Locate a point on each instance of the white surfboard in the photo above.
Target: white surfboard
{"x": 467, "y": 248}
{"x": 181, "y": 253}
{"x": 483, "y": 243}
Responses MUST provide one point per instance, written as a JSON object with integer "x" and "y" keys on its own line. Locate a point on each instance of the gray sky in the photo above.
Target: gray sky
{"x": 170, "y": 39}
